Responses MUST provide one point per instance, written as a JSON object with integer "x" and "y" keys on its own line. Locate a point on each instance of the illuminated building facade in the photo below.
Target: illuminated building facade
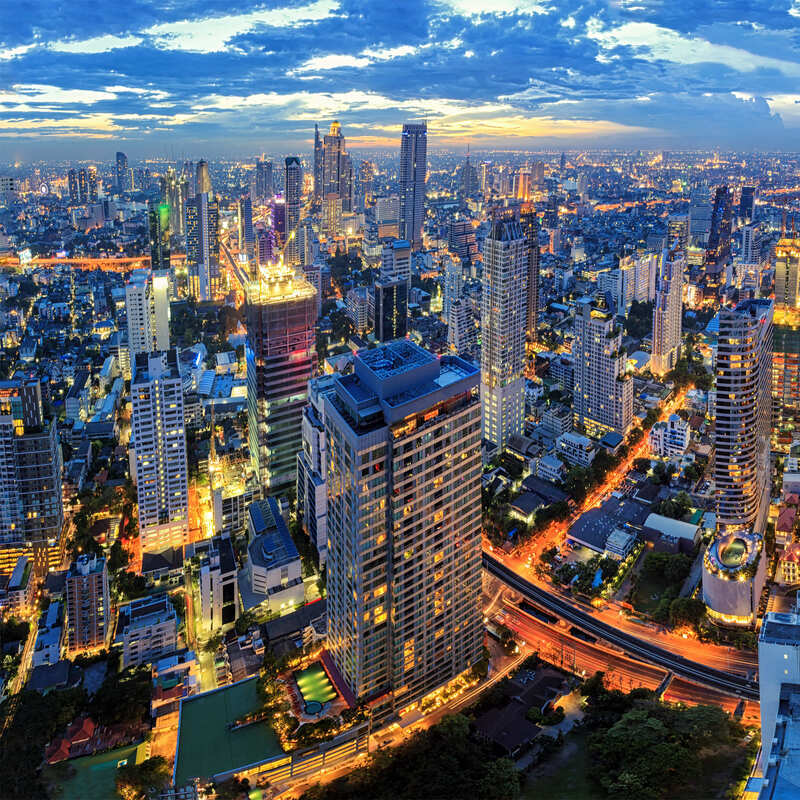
{"x": 602, "y": 394}
{"x": 718, "y": 250}
{"x": 159, "y": 443}
{"x": 667, "y": 315}
{"x": 530, "y": 227}
{"x": 123, "y": 174}
{"x": 391, "y": 310}
{"x": 89, "y": 617}
{"x": 281, "y": 311}
{"x": 404, "y": 519}
{"x": 202, "y": 246}
{"x": 743, "y": 415}
{"x": 503, "y": 328}
{"x": 158, "y": 219}
{"x": 413, "y": 173}
{"x": 294, "y": 198}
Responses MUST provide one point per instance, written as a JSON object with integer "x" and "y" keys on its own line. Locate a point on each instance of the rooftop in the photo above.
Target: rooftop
{"x": 272, "y": 546}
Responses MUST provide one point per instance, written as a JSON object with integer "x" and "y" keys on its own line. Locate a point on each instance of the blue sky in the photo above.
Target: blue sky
{"x": 175, "y": 78}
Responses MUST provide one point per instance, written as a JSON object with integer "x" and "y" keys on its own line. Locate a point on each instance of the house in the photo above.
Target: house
{"x": 788, "y": 572}
{"x": 524, "y": 507}
{"x": 785, "y": 524}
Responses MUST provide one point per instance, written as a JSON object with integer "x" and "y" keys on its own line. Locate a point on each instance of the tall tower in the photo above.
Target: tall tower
{"x": 667, "y": 315}
{"x": 530, "y": 227}
{"x": 91, "y": 175}
{"x": 412, "y": 175}
{"x": 138, "y": 305}
{"x": 158, "y": 219}
{"x": 719, "y": 236}
{"x": 122, "y": 173}
{"x": 247, "y": 234}
{"x": 83, "y": 185}
{"x": 281, "y": 310}
{"x": 603, "y": 393}
{"x": 294, "y": 198}
{"x": 404, "y": 518}
{"x": 319, "y": 161}
{"x": 203, "y": 180}
{"x": 453, "y": 283}
{"x": 503, "y": 322}
{"x": 786, "y": 346}
{"x": 74, "y": 192}
{"x": 159, "y": 442}
{"x": 202, "y": 246}
{"x": 742, "y": 428}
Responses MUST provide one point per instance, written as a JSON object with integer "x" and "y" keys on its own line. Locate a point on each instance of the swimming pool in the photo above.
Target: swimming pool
{"x": 315, "y": 687}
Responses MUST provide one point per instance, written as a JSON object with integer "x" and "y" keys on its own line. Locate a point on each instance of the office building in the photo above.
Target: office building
{"x": 175, "y": 193}
{"x": 91, "y": 175}
{"x": 503, "y": 328}
{"x": 337, "y": 167}
{"x": 202, "y": 246}
{"x": 294, "y": 197}
{"x": 332, "y": 216}
{"x": 203, "y": 179}
{"x": 530, "y": 227}
{"x": 357, "y": 308}
{"x": 602, "y": 393}
{"x": 461, "y": 240}
{"x": 265, "y": 181}
{"x": 147, "y": 630}
{"x": 786, "y": 344}
{"x": 74, "y": 191}
{"x": 246, "y": 232}
{"x": 743, "y": 410}
{"x": 123, "y": 182}
{"x": 219, "y": 588}
{"x": 404, "y": 520}
{"x": 678, "y": 232}
{"x": 396, "y": 261}
{"x": 281, "y": 311}
{"x": 89, "y": 619}
{"x": 453, "y": 283}
{"x": 319, "y": 165}
{"x": 787, "y": 273}
{"x": 667, "y": 315}
{"x": 312, "y": 468}
{"x": 699, "y": 217}
{"x": 391, "y": 310}
{"x": 412, "y": 176}
{"x": 31, "y": 510}
{"x": 83, "y": 186}
{"x": 159, "y": 442}
{"x": 467, "y": 180}
{"x": 718, "y": 250}
{"x": 747, "y": 205}
{"x": 158, "y": 219}
{"x": 366, "y": 184}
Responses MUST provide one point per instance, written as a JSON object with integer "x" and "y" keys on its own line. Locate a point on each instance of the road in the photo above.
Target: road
{"x": 637, "y": 646}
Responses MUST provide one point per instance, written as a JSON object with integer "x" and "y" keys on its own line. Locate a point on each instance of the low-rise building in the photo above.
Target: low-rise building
{"x": 219, "y": 590}
{"x": 274, "y": 567}
{"x": 557, "y": 419}
{"x": 49, "y": 635}
{"x": 147, "y": 629}
{"x": 552, "y": 469}
{"x": 669, "y": 439}
{"x": 575, "y": 449}
{"x": 16, "y": 598}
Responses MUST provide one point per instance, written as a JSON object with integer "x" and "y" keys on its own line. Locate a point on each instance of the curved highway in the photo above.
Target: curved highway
{"x": 718, "y": 679}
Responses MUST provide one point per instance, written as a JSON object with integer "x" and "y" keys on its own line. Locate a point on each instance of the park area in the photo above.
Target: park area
{"x": 208, "y": 742}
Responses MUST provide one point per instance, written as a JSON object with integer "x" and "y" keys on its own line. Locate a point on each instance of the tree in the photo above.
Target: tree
{"x": 123, "y": 697}
{"x": 213, "y": 643}
{"x": 686, "y": 611}
{"x": 143, "y": 781}
{"x": 232, "y": 789}
{"x": 639, "y": 321}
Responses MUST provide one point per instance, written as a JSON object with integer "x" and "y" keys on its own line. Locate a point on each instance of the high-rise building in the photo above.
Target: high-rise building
{"x": 366, "y": 183}
{"x": 404, "y": 522}
{"x": 123, "y": 174}
{"x": 742, "y": 427}
{"x": 530, "y": 227}
{"x": 219, "y": 589}
{"x": 718, "y": 250}
{"x": 467, "y": 180}
{"x": 247, "y": 234}
{"x": 31, "y": 510}
{"x": 461, "y": 333}
{"x": 281, "y": 310}
{"x": 503, "y": 325}
{"x": 332, "y": 215}
{"x": 89, "y": 617}
{"x": 453, "y": 283}
{"x": 412, "y": 176}
{"x": 357, "y": 308}
{"x": 678, "y": 232}
{"x": 786, "y": 345}
{"x": 522, "y": 183}
{"x": 202, "y": 246}
{"x": 91, "y": 179}
{"x": 751, "y": 252}
{"x": 83, "y": 185}
{"x": 603, "y": 393}
{"x": 391, "y": 310}
{"x": 396, "y": 261}
{"x": 667, "y": 315}
{"x": 158, "y": 223}
{"x": 337, "y": 168}
{"x": 159, "y": 442}
{"x": 147, "y": 311}
{"x": 264, "y": 187}
{"x": 699, "y": 217}
{"x": 160, "y": 313}
{"x": 746, "y": 204}
{"x": 175, "y": 193}
{"x": 461, "y": 240}
{"x": 312, "y": 468}
{"x": 203, "y": 180}
{"x": 74, "y": 191}
{"x": 294, "y": 198}
{"x": 319, "y": 165}
{"x": 537, "y": 174}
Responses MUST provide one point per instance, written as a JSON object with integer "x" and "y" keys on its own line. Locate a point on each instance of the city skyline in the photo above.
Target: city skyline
{"x": 519, "y": 74}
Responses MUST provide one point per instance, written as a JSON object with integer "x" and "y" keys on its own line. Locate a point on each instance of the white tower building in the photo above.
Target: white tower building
{"x": 667, "y": 315}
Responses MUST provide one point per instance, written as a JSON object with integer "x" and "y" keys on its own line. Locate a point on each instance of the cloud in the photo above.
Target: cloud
{"x": 97, "y": 44}
{"x": 470, "y": 8}
{"x": 213, "y": 34}
{"x": 332, "y": 61}
{"x": 39, "y": 93}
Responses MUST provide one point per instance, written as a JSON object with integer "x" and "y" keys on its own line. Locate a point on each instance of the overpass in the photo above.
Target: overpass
{"x": 633, "y": 645}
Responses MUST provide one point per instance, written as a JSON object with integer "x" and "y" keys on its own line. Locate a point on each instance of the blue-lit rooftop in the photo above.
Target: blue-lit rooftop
{"x": 394, "y": 358}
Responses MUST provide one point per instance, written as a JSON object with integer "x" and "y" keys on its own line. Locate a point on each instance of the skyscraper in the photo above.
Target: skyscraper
{"x": 159, "y": 442}
{"x": 667, "y": 315}
{"x": 203, "y": 180}
{"x": 396, "y": 261}
{"x": 404, "y": 519}
{"x": 123, "y": 184}
{"x": 699, "y": 217}
{"x": 391, "y": 310}
{"x": 91, "y": 177}
{"x": 530, "y": 227}
{"x": 746, "y": 204}
{"x": 83, "y": 185}
{"x": 453, "y": 283}
{"x": 743, "y": 405}
{"x": 461, "y": 334}
{"x": 31, "y": 510}
{"x": 294, "y": 198}
{"x": 719, "y": 237}
{"x": 247, "y": 234}
{"x": 175, "y": 193}
{"x": 202, "y": 246}
{"x": 467, "y": 180}
{"x": 158, "y": 223}
{"x": 264, "y": 180}
{"x": 366, "y": 183}
{"x": 602, "y": 397}
{"x": 786, "y": 345}
{"x": 74, "y": 191}
{"x": 281, "y": 310}
{"x": 751, "y": 246}
{"x": 89, "y": 617}
{"x": 412, "y": 176}
{"x": 147, "y": 311}
{"x": 503, "y": 325}
{"x": 319, "y": 165}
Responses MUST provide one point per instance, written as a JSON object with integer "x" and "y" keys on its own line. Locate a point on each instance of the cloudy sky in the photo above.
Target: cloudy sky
{"x": 173, "y": 78}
